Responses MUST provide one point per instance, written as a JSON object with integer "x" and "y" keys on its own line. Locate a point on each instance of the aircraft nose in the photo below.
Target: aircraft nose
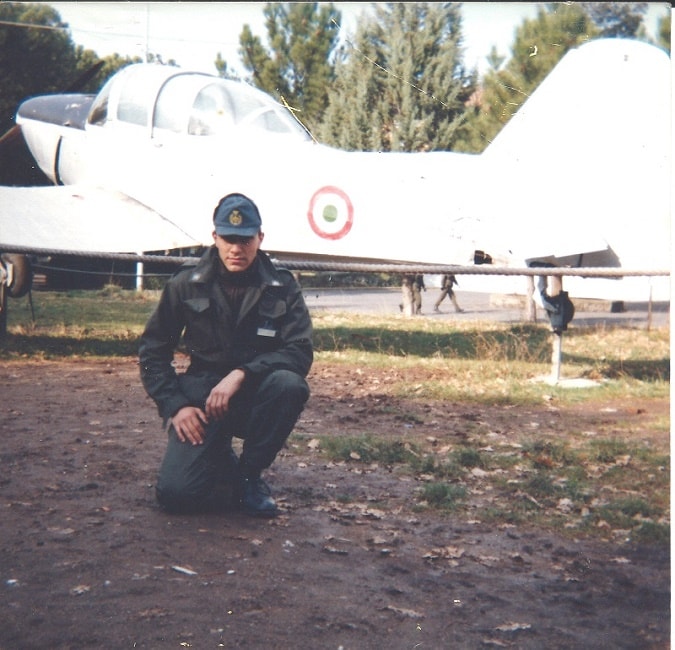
{"x": 61, "y": 110}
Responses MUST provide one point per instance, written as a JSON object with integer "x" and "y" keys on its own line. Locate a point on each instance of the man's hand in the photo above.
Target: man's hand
{"x": 189, "y": 421}
{"x": 189, "y": 424}
{"x": 218, "y": 401}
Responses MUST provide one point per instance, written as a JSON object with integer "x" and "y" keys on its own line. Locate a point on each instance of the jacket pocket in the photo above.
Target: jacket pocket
{"x": 271, "y": 307}
{"x": 199, "y": 334}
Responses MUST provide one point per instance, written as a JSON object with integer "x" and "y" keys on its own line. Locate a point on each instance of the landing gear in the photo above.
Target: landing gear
{"x": 16, "y": 279}
{"x": 16, "y": 273}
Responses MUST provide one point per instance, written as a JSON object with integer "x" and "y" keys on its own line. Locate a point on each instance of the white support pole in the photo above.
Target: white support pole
{"x": 139, "y": 276}
{"x": 556, "y": 357}
{"x": 3, "y": 308}
{"x": 530, "y": 314}
{"x": 555, "y": 283}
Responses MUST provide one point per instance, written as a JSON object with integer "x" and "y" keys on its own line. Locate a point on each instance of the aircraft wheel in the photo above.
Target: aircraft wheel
{"x": 22, "y": 276}
{"x": 3, "y": 312}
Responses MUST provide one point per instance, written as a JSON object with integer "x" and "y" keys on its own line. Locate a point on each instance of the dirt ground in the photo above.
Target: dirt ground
{"x": 87, "y": 560}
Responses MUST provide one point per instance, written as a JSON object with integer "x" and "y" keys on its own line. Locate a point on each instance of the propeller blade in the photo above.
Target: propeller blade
{"x": 10, "y": 136}
{"x": 84, "y": 78}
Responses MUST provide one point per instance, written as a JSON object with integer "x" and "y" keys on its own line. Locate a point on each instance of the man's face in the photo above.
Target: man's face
{"x": 237, "y": 253}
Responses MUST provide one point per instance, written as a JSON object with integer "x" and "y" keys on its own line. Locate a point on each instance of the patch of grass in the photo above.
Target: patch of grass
{"x": 619, "y": 510}
{"x": 650, "y": 532}
{"x": 470, "y": 361}
{"x": 546, "y": 483}
{"x": 104, "y": 323}
{"x": 608, "y": 450}
{"x": 444, "y": 496}
{"x": 547, "y": 454}
{"x": 514, "y": 514}
{"x": 423, "y": 338}
{"x": 468, "y": 457}
{"x": 540, "y": 485}
{"x": 368, "y": 449}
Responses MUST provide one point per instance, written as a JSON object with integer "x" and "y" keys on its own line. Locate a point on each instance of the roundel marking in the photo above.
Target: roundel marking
{"x": 331, "y": 213}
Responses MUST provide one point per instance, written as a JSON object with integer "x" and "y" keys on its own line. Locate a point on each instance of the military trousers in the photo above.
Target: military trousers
{"x": 195, "y": 478}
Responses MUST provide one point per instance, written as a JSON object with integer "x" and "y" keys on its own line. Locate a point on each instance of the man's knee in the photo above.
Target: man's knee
{"x": 186, "y": 477}
{"x": 286, "y": 386}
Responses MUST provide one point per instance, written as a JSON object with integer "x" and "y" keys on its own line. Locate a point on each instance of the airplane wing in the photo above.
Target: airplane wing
{"x": 77, "y": 219}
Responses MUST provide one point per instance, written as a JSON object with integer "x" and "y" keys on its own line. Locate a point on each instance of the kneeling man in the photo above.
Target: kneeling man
{"x": 248, "y": 334}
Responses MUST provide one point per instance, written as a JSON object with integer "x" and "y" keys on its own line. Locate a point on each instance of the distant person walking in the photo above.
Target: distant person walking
{"x": 446, "y": 290}
{"x": 412, "y": 287}
{"x": 417, "y": 288}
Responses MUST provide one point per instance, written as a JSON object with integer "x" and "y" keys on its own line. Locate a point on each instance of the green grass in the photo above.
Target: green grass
{"x": 566, "y": 487}
{"x": 105, "y": 323}
{"x": 497, "y": 362}
{"x": 443, "y": 496}
{"x": 368, "y": 449}
{"x": 490, "y": 362}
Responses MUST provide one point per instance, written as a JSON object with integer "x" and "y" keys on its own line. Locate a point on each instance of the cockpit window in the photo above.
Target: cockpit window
{"x": 269, "y": 121}
{"x": 99, "y": 109}
{"x": 255, "y": 109}
{"x": 222, "y": 105}
{"x": 212, "y": 111}
{"x": 189, "y": 103}
{"x": 135, "y": 98}
{"x": 171, "y": 111}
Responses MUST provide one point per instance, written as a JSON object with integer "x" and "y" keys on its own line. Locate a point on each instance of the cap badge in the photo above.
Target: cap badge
{"x": 235, "y": 218}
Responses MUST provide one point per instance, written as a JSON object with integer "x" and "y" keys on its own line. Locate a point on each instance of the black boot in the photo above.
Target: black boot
{"x": 254, "y": 494}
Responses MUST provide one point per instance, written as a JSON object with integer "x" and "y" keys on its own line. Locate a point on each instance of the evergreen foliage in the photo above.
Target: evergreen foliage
{"x": 616, "y": 19}
{"x": 402, "y": 84}
{"x": 298, "y": 70}
{"x": 663, "y": 33}
{"x": 538, "y": 46}
{"x": 32, "y": 60}
{"x": 351, "y": 120}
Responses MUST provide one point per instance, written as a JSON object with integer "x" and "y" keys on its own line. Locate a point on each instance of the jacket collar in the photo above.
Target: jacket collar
{"x": 209, "y": 263}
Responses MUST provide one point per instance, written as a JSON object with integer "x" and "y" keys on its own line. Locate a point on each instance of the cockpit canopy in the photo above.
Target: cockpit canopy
{"x": 168, "y": 99}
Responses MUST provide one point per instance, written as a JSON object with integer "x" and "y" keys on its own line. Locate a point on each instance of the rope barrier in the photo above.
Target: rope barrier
{"x": 47, "y": 268}
{"x": 368, "y": 267}
{"x": 596, "y": 272}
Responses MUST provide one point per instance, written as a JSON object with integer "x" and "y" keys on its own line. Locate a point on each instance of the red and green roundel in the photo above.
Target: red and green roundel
{"x": 331, "y": 213}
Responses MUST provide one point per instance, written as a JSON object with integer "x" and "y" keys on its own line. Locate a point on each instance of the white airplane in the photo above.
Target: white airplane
{"x": 579, "y": 177}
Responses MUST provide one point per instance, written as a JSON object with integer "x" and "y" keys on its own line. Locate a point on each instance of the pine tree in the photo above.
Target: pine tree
{"x": 663, "y": 33}
{"x": 350, "y": 120}
{"x": 616, "y": 19}
{"x": 402, "y": 85}
{"x": 298, "y": 69}
{"x": 539, "y": 45}
{"x": 32, "y": 60}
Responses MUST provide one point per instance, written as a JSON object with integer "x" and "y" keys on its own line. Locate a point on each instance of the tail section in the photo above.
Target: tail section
{"x": 584, "y": 167}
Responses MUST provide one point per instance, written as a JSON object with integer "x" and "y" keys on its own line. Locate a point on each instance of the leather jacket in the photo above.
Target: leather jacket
{"x": 272, "y": 331}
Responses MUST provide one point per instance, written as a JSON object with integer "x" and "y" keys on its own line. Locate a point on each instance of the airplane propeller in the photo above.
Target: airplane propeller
{"x": 10, "y": 136}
